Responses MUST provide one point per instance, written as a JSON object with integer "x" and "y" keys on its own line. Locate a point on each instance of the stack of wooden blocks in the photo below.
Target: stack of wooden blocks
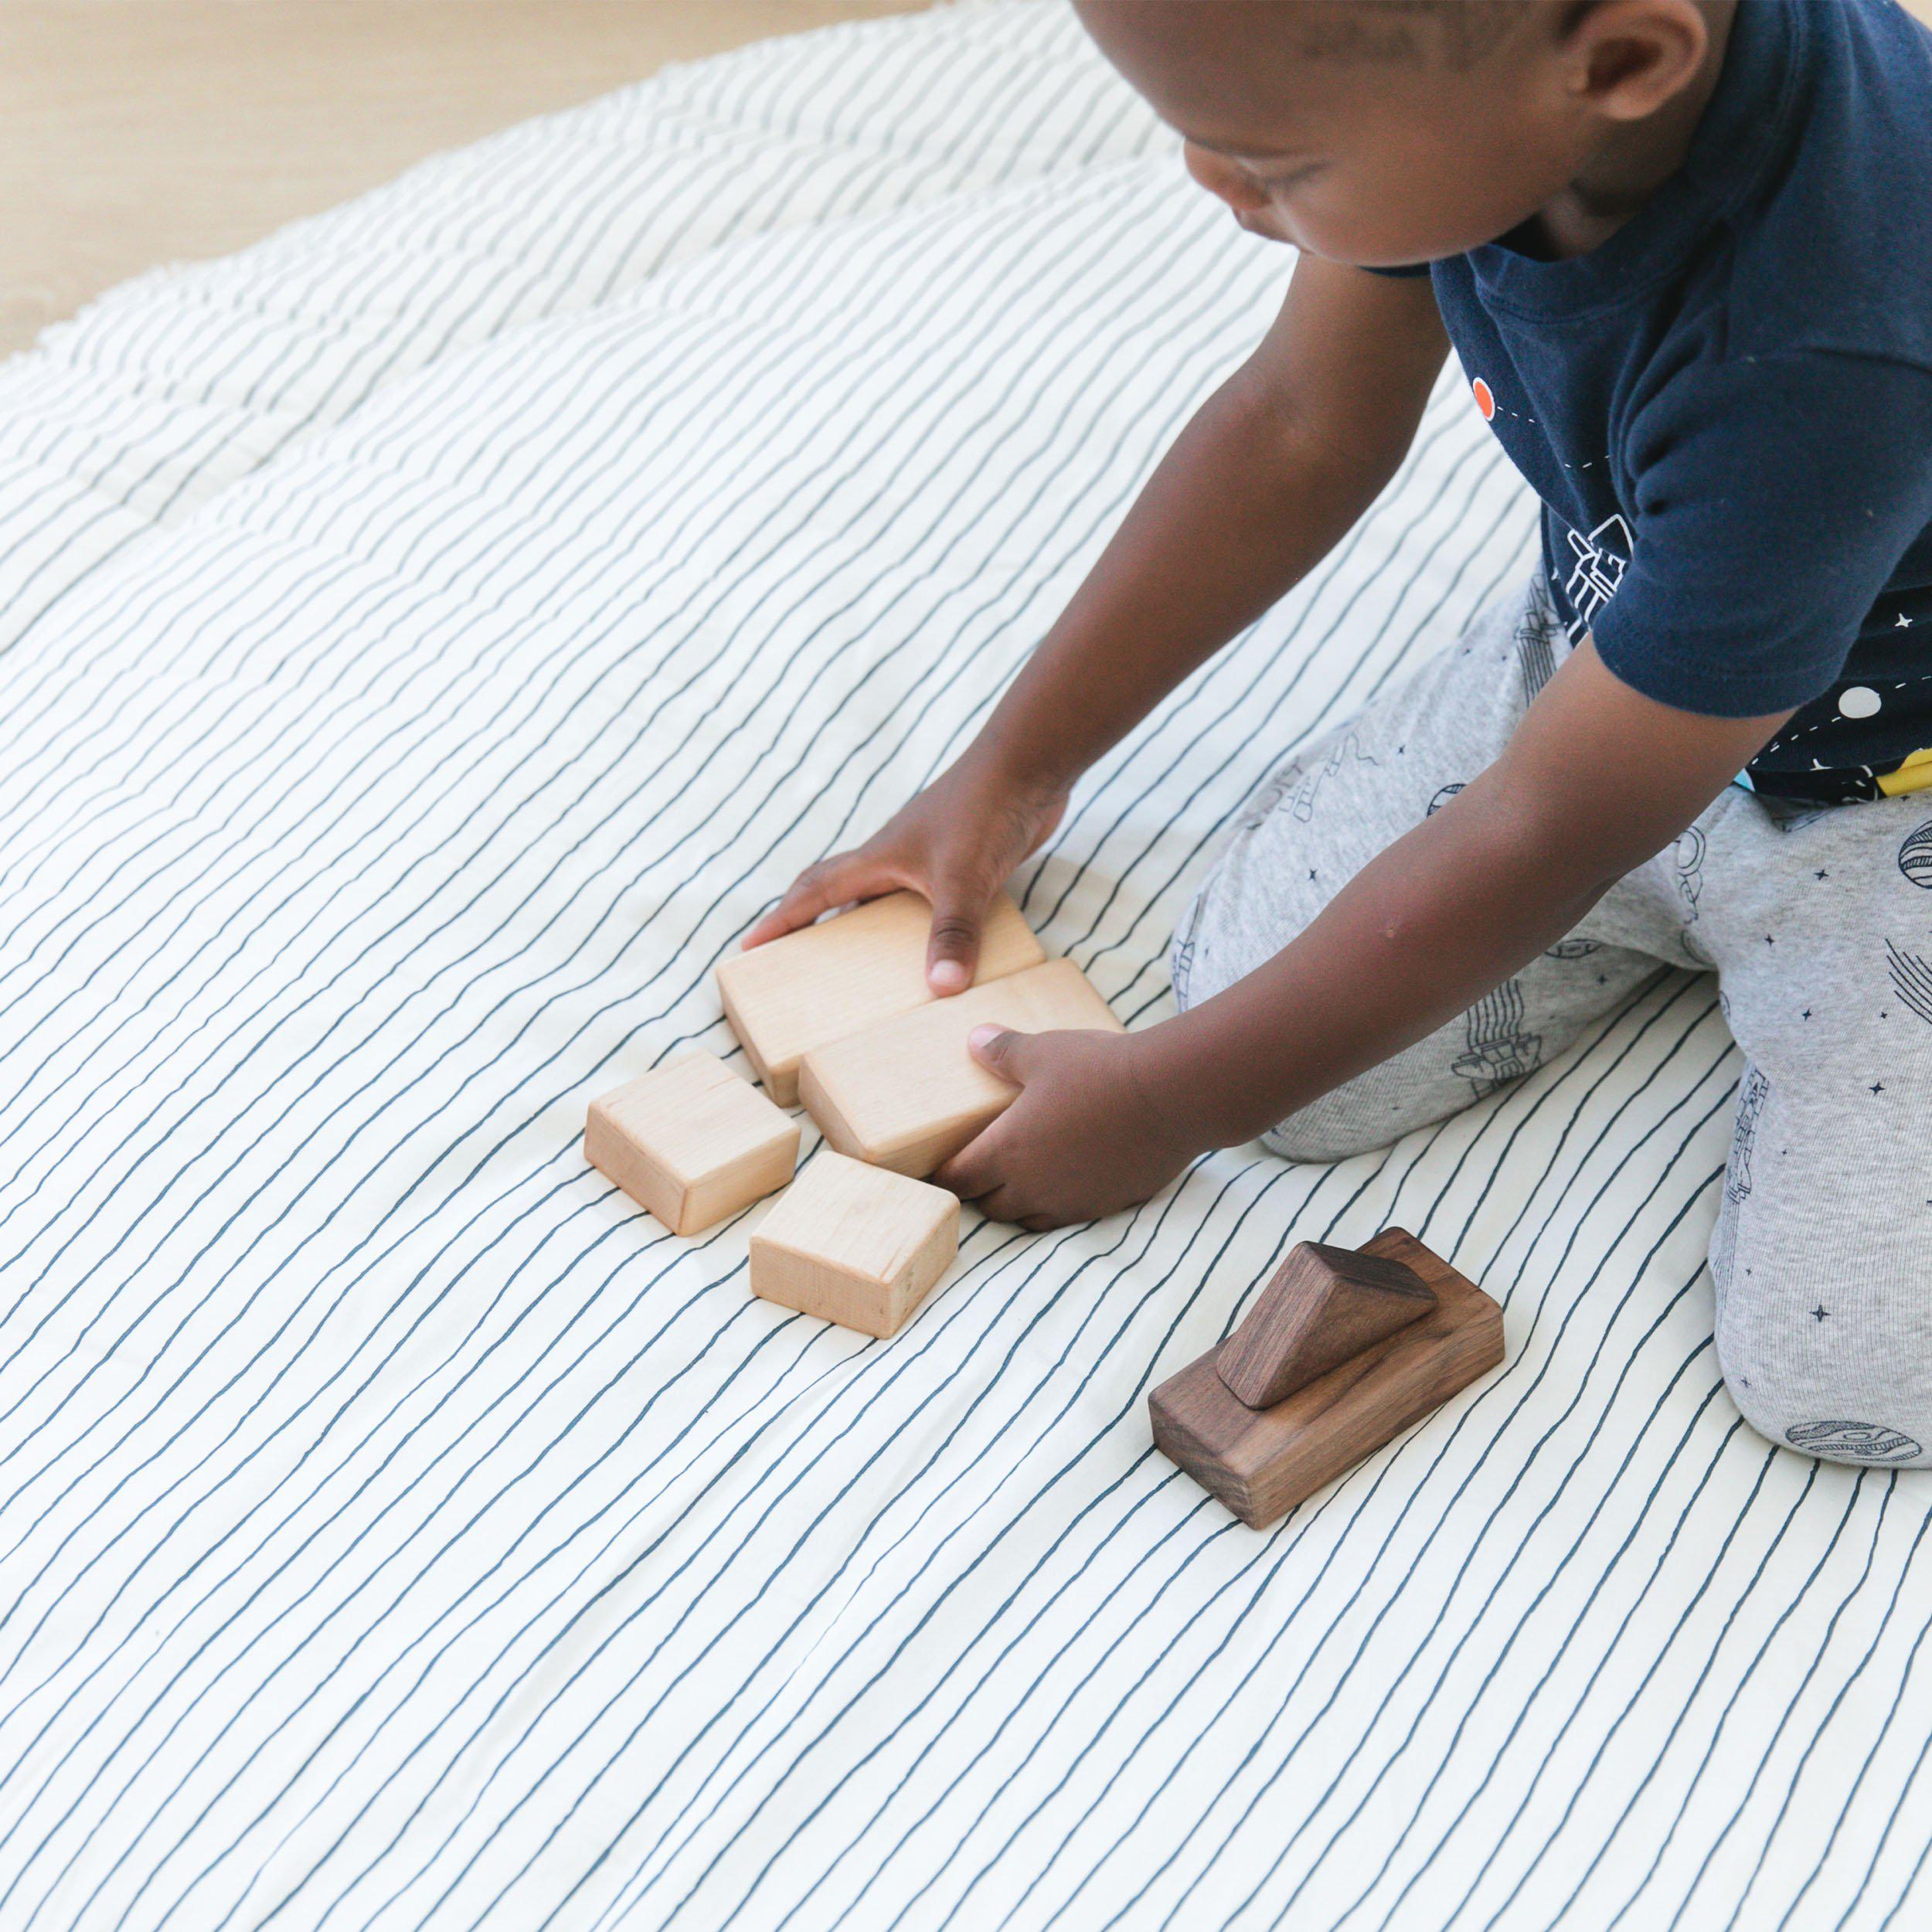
{"x": 838, "y": 1016}
{"x": 1342, "y": 1351}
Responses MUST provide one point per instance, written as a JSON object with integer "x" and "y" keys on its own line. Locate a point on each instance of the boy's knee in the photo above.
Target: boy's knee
{"x": 1232, "y": 925}
{"x": 1362, "y": 1116}
{"x": 1835, "y": 1420}
{"x": 1319, "y": 1133}
{"x": 1835, "y": 1363}
{"x": 1315, "y": 1142}
{"x": 1823, "y": 1327}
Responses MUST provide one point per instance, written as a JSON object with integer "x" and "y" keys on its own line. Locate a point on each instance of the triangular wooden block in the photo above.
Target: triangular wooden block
{"x": 1262, "y": 1462}
{"x": 1323, "y": 1307}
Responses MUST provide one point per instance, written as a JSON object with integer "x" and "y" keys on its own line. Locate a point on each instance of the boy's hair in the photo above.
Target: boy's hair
{"x": 1454, "y": 33}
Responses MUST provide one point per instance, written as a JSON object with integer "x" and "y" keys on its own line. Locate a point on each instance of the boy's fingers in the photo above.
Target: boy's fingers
{"x": 952, "y": 949}
{"x": 977, "y": 1172}
{"x": 974, "y": 1170}
{"x": 1007, "y": 1204}
{"x": 997, "y": 1206}
{"x": 1001, "y": 1051}
{"x": 816, "y": 890}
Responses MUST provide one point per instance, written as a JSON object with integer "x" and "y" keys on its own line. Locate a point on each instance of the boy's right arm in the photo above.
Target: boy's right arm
{"x": 1271, "y": 472}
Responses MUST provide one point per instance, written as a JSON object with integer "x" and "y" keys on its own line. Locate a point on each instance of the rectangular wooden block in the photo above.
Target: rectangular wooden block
{"x": 857, "y": 1245}
{"x": 691, "y": 1142}
{"x": 823, "y": 981}
{"x": 1262, "y": 1462}
{"x": 905, "y": 1093}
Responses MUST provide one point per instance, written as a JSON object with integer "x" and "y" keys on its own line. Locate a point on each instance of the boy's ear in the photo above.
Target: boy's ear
{"x": 1627, "y": 58}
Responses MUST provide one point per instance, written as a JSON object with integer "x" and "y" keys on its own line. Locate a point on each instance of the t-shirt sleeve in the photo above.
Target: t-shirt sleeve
{"x": 1773, "y": 498}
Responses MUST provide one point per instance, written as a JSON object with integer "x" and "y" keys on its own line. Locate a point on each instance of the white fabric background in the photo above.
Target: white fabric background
{"x": 429, "y": 637}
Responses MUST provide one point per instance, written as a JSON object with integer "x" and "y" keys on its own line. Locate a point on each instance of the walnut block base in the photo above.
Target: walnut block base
{"x": 1262, "y": 1462}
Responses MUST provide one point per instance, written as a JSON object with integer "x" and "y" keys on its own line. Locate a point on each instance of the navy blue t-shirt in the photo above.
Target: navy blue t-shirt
{"x": 1727, "y": 408}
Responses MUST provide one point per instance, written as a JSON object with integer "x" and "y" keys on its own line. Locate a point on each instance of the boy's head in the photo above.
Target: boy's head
{"x": 1388, "y": 132}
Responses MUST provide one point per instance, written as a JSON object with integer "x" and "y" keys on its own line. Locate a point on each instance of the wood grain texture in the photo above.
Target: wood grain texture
{"x": 1262, "y": 1462}
{"x": 1324, "y": 1305}
{"x": 905, "y": 1094}
{"x": 857, "y": 1245}
{"x": 691, "y": 1142}
{"x": 825, "y": 981}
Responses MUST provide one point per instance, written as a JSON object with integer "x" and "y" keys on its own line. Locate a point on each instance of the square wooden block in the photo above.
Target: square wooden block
{"x": 823, "y": 981}
{"x": 1262, "y": 1462}
{"x": 854, "y": 1244}
{"x": 691, "y": 1142}
{"x": 907, "y": 1095}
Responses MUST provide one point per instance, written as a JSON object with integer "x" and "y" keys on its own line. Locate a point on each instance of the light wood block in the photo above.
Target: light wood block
{"x": 824, "y": 982}
{"x": 1324, "y": 1305}
{"x": 1262, "y": 1462}
{"x": 857, "y": 1245}
{"x": 691, "y": 1142}
{"x": 907, "y": 1095}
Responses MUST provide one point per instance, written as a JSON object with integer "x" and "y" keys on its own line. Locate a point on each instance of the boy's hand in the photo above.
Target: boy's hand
{"x": 1271, "y": 472}
{"x": 956, "y": 843}
{"x": 1085, "y": 1137}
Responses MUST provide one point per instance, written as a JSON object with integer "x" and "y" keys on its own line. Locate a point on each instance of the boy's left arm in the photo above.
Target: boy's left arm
{"x": 1596, "y": 779}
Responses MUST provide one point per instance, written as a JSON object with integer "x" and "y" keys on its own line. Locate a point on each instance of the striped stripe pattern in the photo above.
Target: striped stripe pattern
{"x": 430, "y": 636}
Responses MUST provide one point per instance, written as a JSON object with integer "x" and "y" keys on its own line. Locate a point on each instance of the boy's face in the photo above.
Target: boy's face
{"x": 1382, "y": 153}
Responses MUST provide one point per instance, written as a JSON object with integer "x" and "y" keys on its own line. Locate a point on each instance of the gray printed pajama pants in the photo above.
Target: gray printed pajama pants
{"x": 1819, "y": 925}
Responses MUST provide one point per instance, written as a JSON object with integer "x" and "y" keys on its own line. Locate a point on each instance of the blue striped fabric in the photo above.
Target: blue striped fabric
{"x": 429, "y": 637}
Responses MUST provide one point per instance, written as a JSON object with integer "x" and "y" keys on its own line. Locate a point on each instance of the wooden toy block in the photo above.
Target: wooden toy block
{"x": 1324, "y": 1305}
{"x": 907, "y": 1094}
{"x": 1262, "y": 1462}
{"x": 691, "y": 1142}
{"x": 819, "y": 984}
{"x": 857, "y": 1245}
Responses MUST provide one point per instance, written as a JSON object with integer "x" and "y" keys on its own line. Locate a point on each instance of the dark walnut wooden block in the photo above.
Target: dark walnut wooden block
{"x": 1262, "y": 1462}
{"x": 1324, "y": 1306}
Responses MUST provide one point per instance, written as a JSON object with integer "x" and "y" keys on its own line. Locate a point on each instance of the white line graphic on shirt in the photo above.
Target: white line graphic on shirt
{"x": 1602, "y": 559}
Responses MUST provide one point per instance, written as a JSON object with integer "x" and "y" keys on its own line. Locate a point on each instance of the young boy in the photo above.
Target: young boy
{"x": 1683, "y": 251}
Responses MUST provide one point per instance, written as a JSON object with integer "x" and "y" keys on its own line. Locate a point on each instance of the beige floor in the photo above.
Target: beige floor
{"x": 138, "y": 131}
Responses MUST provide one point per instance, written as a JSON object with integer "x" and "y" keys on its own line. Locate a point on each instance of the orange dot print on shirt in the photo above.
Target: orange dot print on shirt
{"x": 1485, "y": 399}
